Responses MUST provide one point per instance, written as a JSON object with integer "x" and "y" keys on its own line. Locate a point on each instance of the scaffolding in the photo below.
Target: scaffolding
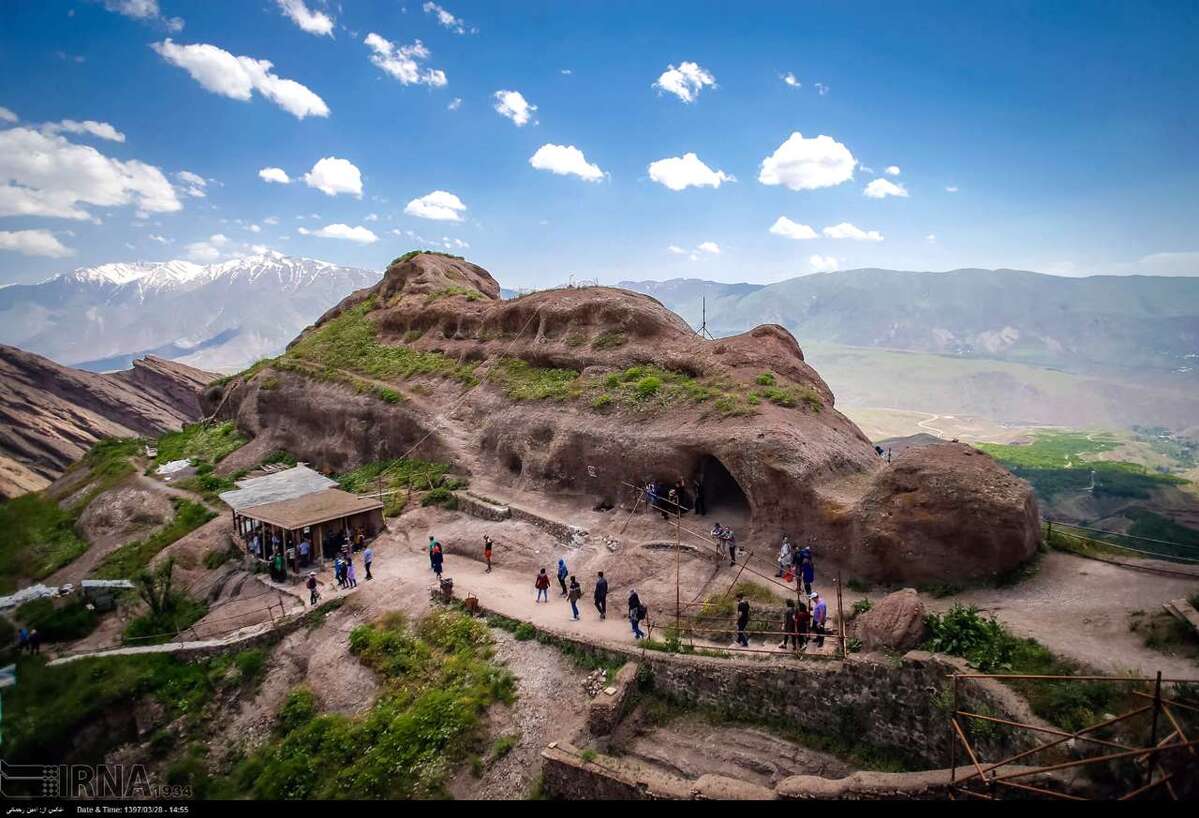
{"x": 1157, "y": 760}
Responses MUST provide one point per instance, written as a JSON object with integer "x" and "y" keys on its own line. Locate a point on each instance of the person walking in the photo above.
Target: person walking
{"x": 819, "y": 618}
{"x": 784, "y": 557}
{"x": 313, "y": 596}
{"x": 575, "y": 594}
{"x": 789, "y": 632}
{"x": 22, "y": 639}
{"x": 562, "y": 575}
{"x": 368, "y": 556}
{"x": 636, "y": 614}
{"x": 339, "y": 571}
{"x": 432, "y": 543}
{"x": 601, "y": 595}
{"x": 35, "y": 641}
{"x": 351, "y": 575}
{"x": 305, "y": 551}
{"x": 803, "y": 624}
{"x": 438, "y": 559}
{"x": 487, "y": 552}
{"x": 742, "y": 620}
{"x": 807, "y": 568}
{"x": 542, "y": 584}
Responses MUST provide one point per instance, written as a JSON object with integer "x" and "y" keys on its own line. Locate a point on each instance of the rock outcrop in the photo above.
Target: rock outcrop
{"x": 896, "y": 622}
{"x": 50, "y": 415}
{"x": 583, "y": 392}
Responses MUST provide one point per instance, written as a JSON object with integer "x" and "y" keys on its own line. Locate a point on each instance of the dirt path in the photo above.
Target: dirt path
{"x": 1079, "y": 608}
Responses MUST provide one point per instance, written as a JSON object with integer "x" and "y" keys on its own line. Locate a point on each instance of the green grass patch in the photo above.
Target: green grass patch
{"x": 350, "y": 342}
{"x": 152, "y": 629}
{"x": 394, "y": 474}
{"x": 450, "y": 292}
{"x": 522, "y": 381}
{"x": 132, "y": 558}
{"x": 37, "y": 537}
{"x": 211, "y": 443}
{"x": 609, "y": 339}
{"x": 439, "y": 679}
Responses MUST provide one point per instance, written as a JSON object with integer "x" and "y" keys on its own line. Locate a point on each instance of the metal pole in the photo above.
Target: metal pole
{"x": 953, "y": 745}
{"x": 678, "y": 514}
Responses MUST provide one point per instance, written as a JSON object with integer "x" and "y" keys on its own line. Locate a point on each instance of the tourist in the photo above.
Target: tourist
{"x": 432, "y": 544}
{"x": 636, "y": 614}
{"x": 305, "y": 551}
{"x": 601, "y": 595}
{"x": 803, "y": 622}
{"x": 278, "y": 571}
{"x": 313, "y": 596}
{"x": 352, "y": 577}
{"x": 701, "y": 507}
{"x": 807, "y": 568}
{"x": 487, "y": 552}
{"x": 23, "y": 638}
{"x": 784, "y": 557}
{"x": 576, "y": 593}
{"x": 35, "y": 641}
{"x": 663, "y": 499}
{"x": 339, "y": 571}
{"x": 438, "y": 559}
{"x": 368, "y": 556}
{"x": 562, "y": 575}
{"x": 742, "y": 620}
{"x": 727, "y": 539}
{"x": 359, "y": 539}
{"x": 256, "y": 545}
{"x": 789, "y": 632}
{"x": 542, "y": 584}
{"x": 819, "y": 618}
{"x": 649, "y": 495}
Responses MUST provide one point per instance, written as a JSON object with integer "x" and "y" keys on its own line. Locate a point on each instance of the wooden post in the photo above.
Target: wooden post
{"x": 678, "y": 630}
{"x": 841, "y": 619}
{"x": 1157, "y": 707}
{"x": 953, "y": 741}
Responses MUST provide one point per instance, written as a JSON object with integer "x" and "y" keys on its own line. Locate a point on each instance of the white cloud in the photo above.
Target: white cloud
{"x": 195, "y": 184}
{"x": 566, "y": 72}
{"x": 892, "y": 170}
{"x": 34, "y": 243}
{"x": 374, "y": 217}
{"x": 445, "y": 18}
{"x": 514, "y": 106}
{"x": 274, "y": 175}
{"x": 790, "y": 79}
{"x": 807, "y": 164}
{"x": 565, "y": 160}
{"x": 951, "y": 189}
{"x": 222, "y": 73}
{"x": 678, "y": 251}
{"x": 824, "y": 264}
{"x": 99, "y": 129}
{"x": 45, "y": 175}
{"x": 709, "y": 247}
{"x": 455, "y": 104}
{"x": 440, "y": 205}
{"x": 360, "y": 234}
{"x": 254, "y": 228}
{"x": 144, "y": 10}
{"x": 160, "y": 239}
{"x": 792, "y": 230}
{"x": 845, "y": 230}
{"x": 686, "y": 81}
{"x": 403, "y": 62}
{"x": 822, "y": 89}
{"x": 314, "y": 22}
{"x": 332, "y": 176}
{"x": 931, "y": 238}
{"x": 681, "y": 172}
{"x": 272, "y": 220}
{"x": 882, "y": 188}
{"x": 210, "y": 250}
{"x": 7, "y": 116}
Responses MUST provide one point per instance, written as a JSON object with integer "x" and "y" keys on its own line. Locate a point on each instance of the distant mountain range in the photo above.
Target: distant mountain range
{"x": 220, "y": 317}
{"x": 1081, "y": 325}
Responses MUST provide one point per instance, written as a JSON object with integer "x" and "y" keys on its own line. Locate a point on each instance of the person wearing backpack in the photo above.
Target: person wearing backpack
{"x": 574, "y": 595}
{"x": 542, "y": 584}
{"x": 562, "y": 575}
{"x": 636, "y": 614}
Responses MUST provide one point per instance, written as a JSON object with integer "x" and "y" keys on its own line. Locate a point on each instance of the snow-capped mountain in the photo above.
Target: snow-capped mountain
{"x": 220, "y": 317}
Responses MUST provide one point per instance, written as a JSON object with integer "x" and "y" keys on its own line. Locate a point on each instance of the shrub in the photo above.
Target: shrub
{"x": 648, "y": 386}
{"x": 524, "y": 632}
{"x": 765, "y": 379}
{"x": 58, "y": 623}
{"x": 611, "y": 339}
{"x": 962, "y": 631}
{"x": 37, "y": 537}
{"x": 601, "y": 401}
{"x": 503, "y": 745}
{"x": 388, "y": 395}
{"x": 861, "y": 606}
{"x": 440, "y": 496}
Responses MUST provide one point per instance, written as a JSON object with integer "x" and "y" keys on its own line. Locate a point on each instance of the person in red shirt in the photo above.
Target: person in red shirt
{"x": 542, "y": 585}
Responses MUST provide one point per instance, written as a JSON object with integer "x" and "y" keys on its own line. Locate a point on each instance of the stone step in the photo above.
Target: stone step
{"x": 489, "y": 508}
{"x": 485, "y": 509}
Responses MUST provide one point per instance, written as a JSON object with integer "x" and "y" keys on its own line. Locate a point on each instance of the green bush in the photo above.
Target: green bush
{"x": 58, "y": 623}
{"x": 37, "y": 537}
{"x": 648, "y": 386}
{"x": 200, "y": 441}
{"x": 524, "y": 632}
{"x": 601, "y": 401}
{"x": 861, "y": 606}
{"x": 440, "y": 497}
{"x": 765, "y": 379}
{"x": 962, "y": 631}
{"x": 503, "y": 745}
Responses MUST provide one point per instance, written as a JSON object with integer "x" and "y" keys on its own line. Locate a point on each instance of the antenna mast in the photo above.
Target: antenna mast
{"x": 703, "y": 323}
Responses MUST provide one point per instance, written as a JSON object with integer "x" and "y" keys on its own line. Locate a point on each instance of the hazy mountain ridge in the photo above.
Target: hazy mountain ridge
{"x": 219, "y": 316}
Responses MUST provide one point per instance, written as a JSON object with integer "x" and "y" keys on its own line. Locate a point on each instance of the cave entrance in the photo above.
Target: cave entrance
{"x": 721, "y": 493}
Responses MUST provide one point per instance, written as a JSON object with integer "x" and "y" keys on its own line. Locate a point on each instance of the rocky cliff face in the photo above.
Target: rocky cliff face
{"x": 581, "y": 392}
{"x": 50, "y": 415}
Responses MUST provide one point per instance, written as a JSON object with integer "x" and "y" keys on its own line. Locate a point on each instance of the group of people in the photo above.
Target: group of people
{"x": 796, "y": 564}
{"x": 343, "y": 571}
{"x": 572, "y": 590}
{"x": 800, "y": 623}
{"x": 281, "y": 552}
{"x": 674, "y": 498}
{"x": 29, "y": 640}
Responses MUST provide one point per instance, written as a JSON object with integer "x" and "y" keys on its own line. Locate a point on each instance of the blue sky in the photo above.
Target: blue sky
{"x": 1067, "y": 131}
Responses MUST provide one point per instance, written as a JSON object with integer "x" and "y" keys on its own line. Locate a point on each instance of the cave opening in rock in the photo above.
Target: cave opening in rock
{"x": 722, "y": 493}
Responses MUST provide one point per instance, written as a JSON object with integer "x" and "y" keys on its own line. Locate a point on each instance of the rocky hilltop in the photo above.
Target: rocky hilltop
{"x": 582, "y": 393}
{"x": 50, "y": 415}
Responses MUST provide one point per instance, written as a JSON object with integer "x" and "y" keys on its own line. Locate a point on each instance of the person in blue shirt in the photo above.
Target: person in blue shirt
{"x": 368, "y": 556}
{"x": 562, "y": 575}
